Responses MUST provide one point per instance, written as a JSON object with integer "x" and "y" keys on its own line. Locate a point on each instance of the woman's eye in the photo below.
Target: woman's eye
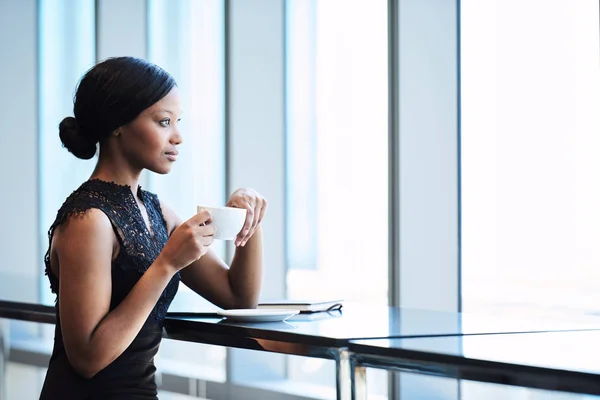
{"x": 165, "y": 122}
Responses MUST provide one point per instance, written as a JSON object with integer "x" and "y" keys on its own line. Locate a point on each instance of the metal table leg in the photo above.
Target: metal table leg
{"x": 4, "y": 348}
{"x": 343, "y": 375}
{"x": 359, "y": 381}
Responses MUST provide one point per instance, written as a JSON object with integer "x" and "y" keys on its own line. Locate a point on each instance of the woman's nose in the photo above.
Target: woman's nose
{"x": 176, "y": 137}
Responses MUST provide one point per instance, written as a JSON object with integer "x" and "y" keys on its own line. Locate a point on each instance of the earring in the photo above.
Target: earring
{"x": 117, "y": 132}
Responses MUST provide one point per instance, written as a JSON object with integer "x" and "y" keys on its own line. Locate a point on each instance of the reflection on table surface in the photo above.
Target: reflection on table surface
{"x": 568, "y": 351}
{"x": 357, "y": 321}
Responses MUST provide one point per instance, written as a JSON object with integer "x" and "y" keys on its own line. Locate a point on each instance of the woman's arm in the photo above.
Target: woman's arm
{"x": 235, "y": 286}
{"x": 83, "y": 248}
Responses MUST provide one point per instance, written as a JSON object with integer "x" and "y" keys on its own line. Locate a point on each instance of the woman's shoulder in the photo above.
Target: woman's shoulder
{"x": 91, "y": 224}
{"x": 83, "y": 199}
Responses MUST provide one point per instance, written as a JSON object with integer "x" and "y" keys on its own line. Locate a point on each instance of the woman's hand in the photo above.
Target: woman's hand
{"x": 189, "y": 241}
{"x": 255, "y": 206}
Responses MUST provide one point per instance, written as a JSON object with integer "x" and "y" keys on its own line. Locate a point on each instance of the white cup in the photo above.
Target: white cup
{"x": 229, "y": 221}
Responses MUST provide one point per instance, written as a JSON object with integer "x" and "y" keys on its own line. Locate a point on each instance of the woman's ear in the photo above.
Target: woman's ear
{"x": 117, "y": 132}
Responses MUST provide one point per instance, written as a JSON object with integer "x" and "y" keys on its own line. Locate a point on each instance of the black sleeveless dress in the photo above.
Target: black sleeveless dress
{"x": 131, "y": 375}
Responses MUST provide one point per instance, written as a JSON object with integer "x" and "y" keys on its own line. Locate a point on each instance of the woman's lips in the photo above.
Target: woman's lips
{"x": 172, "y": 155}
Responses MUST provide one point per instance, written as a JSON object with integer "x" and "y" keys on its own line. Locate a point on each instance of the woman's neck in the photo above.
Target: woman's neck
{"x": 111, "y": 170}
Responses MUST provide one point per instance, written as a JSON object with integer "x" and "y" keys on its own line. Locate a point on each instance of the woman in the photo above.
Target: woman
{"x": 117, "y": 253}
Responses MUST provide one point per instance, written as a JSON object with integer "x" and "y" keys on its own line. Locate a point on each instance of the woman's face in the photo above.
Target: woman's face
{"x": 150, "y": 141}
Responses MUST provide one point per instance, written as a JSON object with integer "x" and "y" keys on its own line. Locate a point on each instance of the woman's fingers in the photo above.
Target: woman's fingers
{"x": 257, "y": 213}
{"x": 263, "y": 210}
{"x": 255, "y": 206}
{"x": 200, "y": 219}
{"x": 208, "y": 229}
{"x": 247, "y": 226}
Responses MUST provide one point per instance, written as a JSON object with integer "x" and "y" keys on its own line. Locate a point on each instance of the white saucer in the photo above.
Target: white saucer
{"x": 257, "y": 315}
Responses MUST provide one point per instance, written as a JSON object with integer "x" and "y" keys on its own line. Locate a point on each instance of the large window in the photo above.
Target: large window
{"x": 337, "y": 166}
{"x": 530, "y": 75}
{"x": 336, "y": 155}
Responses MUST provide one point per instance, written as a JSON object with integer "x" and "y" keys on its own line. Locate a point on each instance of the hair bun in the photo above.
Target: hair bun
{"x": 73, "y": 141}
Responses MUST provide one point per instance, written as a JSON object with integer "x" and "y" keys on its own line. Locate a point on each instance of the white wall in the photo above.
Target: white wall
{"x": 20, "y": 259}
{"x": 428, "y": 151}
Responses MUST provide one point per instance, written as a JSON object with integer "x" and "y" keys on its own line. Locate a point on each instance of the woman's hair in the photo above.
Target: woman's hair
{"x": 111, "y": 94}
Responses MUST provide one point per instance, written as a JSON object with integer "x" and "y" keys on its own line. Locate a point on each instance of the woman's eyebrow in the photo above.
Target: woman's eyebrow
{"x": 165, "y": 110}
{"x": 162, "y": 110}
